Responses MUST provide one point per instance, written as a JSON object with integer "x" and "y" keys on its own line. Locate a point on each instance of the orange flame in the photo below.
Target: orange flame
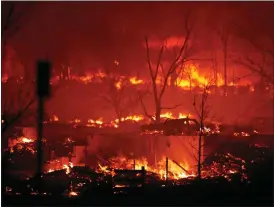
{"x": 175, "y": 172}
{"x": 54, "y": 118}
{"x": 55, "y": 165}
{"x": 135, "y": 81}
{"x": 137, "y": 118}
{"x": 189, "y": 75}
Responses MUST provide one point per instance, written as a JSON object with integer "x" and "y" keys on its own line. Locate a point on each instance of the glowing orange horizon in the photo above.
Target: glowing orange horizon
{"x": 187, "y": 78}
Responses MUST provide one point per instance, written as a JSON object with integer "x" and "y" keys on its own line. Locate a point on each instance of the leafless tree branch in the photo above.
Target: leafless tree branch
{"x": 256, "y": 67}
{"x": 171, "y": 107}
{"x": 17, "y": 116}
{"x": 141, "y": 96}
{"x": 259, "y": 67}
{"x": 117, "y": 96}
{"x": 202, "y": 112}
{"x": 11, "y": 15}
{"x": 181, "y": 57}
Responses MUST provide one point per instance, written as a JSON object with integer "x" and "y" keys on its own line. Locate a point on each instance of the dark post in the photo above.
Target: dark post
{"x": 143, "y": 175}
{"x": 43, "y": 90}
{"x": 166, "y": 170}
{"x": 40, "y": 135}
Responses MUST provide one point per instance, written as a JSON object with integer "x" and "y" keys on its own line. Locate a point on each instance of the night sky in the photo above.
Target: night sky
{"x": 88, "y": 35}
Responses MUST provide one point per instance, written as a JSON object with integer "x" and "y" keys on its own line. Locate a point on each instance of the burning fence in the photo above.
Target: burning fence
{"x": 179, "y": 162}
{"x": 175, "y": 170}
{"x": 179, "y": 148}
{"x": 152, "y": 151}
{"x": 218, "y": 164}
{"x": 224, "y": 165}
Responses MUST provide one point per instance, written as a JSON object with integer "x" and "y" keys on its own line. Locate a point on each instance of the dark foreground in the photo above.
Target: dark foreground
{"x": 204, "y": 195}
{"x": 140, "y": 200}
{"x": 257, "y": 190}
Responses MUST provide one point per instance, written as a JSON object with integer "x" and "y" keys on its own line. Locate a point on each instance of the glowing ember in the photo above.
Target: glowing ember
{"x": 92, "y": 122}
{"x": 227, "y": 166}
{"x": 135, "y": 81}
{"x": 136, "y": 118}
{"x": 255, "y": 131}
{"x": 68, "y": 140}
{"x": 118, "y": 84}
{"x": 55, "y": 165}
{"x": 21, "y": 143}
{"x": 54, "y": 118}
{"x": 66, "y": 167}
{"x": 133, "y": 118}
{"x": 76, "y": 121}
{"x": 241, "y": 134}
{"x": 116, "y": 62}
{"x": 72, "y": 193}
{"x": 181, "y": 116}
{"x": 252, "y": 89}
{"x": 24, "y": 140}
{"x": 167, "y": 115}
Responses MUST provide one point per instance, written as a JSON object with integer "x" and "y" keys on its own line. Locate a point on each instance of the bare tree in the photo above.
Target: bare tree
{"x": 223, "y": 26}
{"x": 257, "y": 66}
{"x": 202, "y": 111}
{"x": 17, "y": 94}
{"x": 260, "y": 38}
{"x": 119, "y": 95}
{"x": 189, "y": 77}
{"x": 223, "y": 32}
{"x": 215, "y": 68}
{"x": 164, "y": 73}
{"x": 224, "y": 36}
{"x": 11, "y": 14}
{"x": 178, "y": 76}
{"x": 185, "y": 73}
{"x": 8, "y": 28}
{"x": 262, "y": 62}
{"x": 17, "y": 99}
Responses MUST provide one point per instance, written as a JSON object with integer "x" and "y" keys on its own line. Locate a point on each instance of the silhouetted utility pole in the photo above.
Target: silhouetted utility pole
{"x": 43, "y": 91}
